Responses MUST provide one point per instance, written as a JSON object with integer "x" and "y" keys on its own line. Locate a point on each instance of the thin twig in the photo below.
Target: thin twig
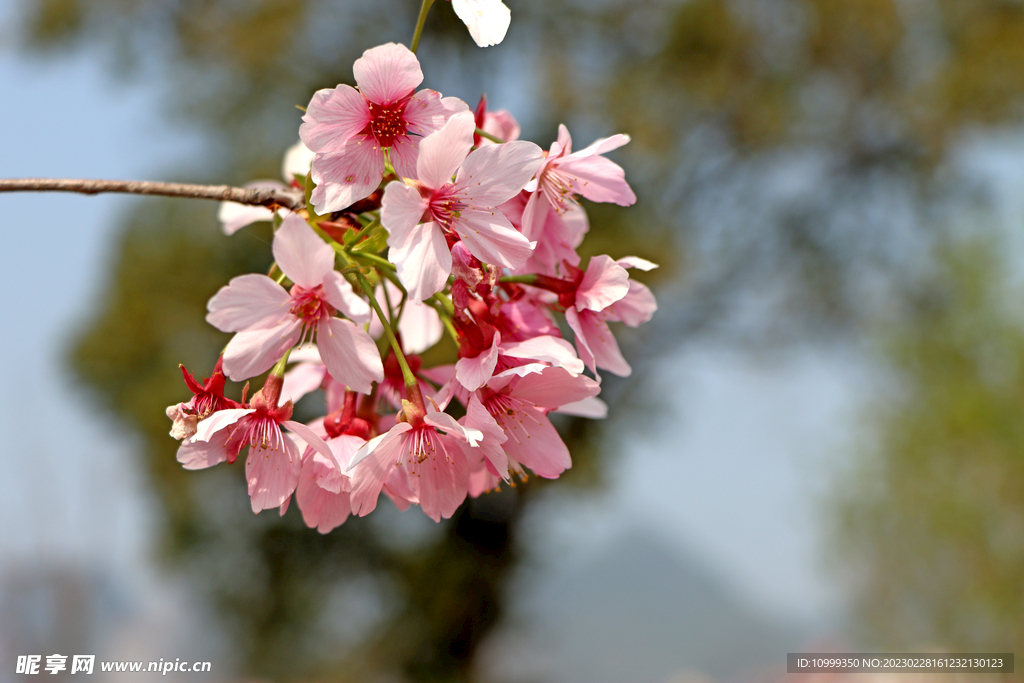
{"x": 254, "y": 196}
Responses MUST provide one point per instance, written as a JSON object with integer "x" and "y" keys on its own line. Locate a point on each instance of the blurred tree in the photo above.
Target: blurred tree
{"x": 932, "y": 525}
{"x": 721, "y": 97}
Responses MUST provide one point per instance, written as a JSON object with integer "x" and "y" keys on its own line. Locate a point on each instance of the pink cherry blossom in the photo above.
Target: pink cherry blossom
{"x": 518, "y": 405}
{"x": 269, "y": 320}
{"x": 427, "y": 458}
{"x": 323, "y": 491}
{"x": 487, "y": 20}
{"x": 557, "y": 232}
{"x": 349, "y": 129}
{"x": 464, "y": 209}
{"x": 272, "y": 467}
{"x": 500, "y": 124}
{"x": 604, "y": 283}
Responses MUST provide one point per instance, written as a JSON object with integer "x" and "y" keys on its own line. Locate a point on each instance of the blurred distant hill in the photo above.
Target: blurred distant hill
{"x": 642, "y": 613}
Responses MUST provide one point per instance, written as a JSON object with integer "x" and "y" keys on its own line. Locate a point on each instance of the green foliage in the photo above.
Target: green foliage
{"x": 932, "y": 523}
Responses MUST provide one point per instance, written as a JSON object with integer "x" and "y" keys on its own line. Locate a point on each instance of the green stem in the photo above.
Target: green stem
{"x": 407, "y": 376}
{"x": 374, "y": 259}
{"x": 493, "y": 138}
{"x": 424, "y": 8}
{"x": 364, "y": 232}
{"x": 521, "y": 279}
{"x": 445, "y": 303}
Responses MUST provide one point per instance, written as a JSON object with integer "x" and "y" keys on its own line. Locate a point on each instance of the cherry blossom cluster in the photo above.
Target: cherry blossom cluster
{"x": 424, "y": 218}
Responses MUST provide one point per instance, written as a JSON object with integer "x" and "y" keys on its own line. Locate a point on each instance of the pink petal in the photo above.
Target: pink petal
{"x": 442, "y": 153}
{"x": 420, "y": 327}
{"x": 219, "y": 420}
{"x": 272, "y": 475}
{"x": 441, "y": 479}
{"x": 198, "y": 455}
{"x": 479, "y": 419}
{"x": 596, "y": 343}
{"x": 603, "y": 145}
{"x": 427, "y": 111}
{"x": 248, "y": 302}
{"x": 492, "y": 239}
{"x": 297, "y": 161}
{"x": 636, "y": 307}
{"x": 487, "y": 20}
{"x": 604, "y": 283}
{"x": 448, "y": 424}
{"x": 636, "y": 262}
{"x": 548, "y": 349}
{"x": 322, "y": 509}
{"x": 253, "y": 352}
{"x": 302, "y": 379}
{"x": 338, "y": 292}
{"x": 598, "y": 179}
{"x": 501, "y": 125}
{"x": 301, "y": 254}
{"x": 332, "y": 117}
{"x": 533, "y": 440}
{"x": 403, "y": 155}
{"x": 312, "y": 440}
{"x": 345, "y": 177}
{"x": 494, "y": 174}
{"x": 234, "y": 216}
{"x": 422, "y": 258}
{"x": 473, "y": 373}
{"x": 554, "y": 387}
{"x": 350, "y": 354}
{"x": 387, "y": 73}
{"x": 593, "y": 408}
{"x": 372, "y": 464}
{"x": 402, "y": 208}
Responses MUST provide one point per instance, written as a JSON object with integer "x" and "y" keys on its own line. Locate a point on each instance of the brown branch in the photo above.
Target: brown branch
{"x": 254, "y": 196}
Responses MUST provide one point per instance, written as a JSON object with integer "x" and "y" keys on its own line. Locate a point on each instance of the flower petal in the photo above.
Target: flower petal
{"x": 302, "y": 379}
{"x": 532, "y": 439}
{"x": 372, "y": 464}
{"x": 548, "y": 349}
{"x": 348, "y": 175}
{"x": 301, "y": 254}
{"x": 487, "y": 20}
{"x": 350, "y": 354}
{"x": 473, "y": 373}
{"x": 312, "y": 440}
{"x": 491, "y": 238}
{"x": 322, "y": 509}
{"x": 636, "y": 307}
{"x": 272, "y": 475}
{"x": 604, "y": 283}
{"x": 422, "y": 258}
{"x": 442, "y": 153}
{"x": 218, "y": 421}
{"x": 252, "y": 352}
{"x": 494, "y": 174}
{"x": 332, "y": 117}
{"x": 248, "y": 302}
{"x": 598, "y": 179}
{"x": 596, "y": 343}
{"x": 440, "y": 476}
{"x": 402, "y": 208}
{"x": 387, "y": 73}
{"x": 554, "y": 387}
{"x": 593, "y": 408}
{"x": 338, "y": 292}
{"x": 198, "y": 455}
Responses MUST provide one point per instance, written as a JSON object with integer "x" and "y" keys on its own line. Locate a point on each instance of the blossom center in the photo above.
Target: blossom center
{"x": 446, "y": 207}
{"x": 421, "y": 443}
{"x": 387, "y": 122}
{"x": 259, "y": 430}
{"x": 309, "y": 305}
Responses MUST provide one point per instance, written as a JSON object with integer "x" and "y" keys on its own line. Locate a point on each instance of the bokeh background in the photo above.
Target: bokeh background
{"x": 822, "y": 444}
